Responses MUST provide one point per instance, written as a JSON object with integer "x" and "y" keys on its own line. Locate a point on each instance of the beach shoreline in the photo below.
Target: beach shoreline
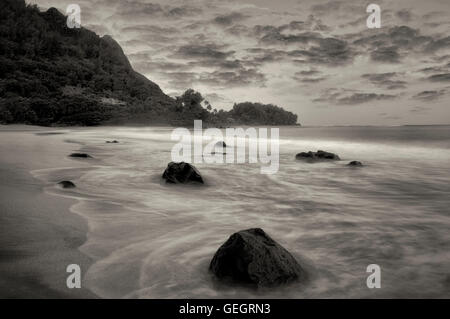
{"x": 39, "y": 234}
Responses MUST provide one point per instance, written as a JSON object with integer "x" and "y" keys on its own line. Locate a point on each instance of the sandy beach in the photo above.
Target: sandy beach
{"x": 39, "y": 236}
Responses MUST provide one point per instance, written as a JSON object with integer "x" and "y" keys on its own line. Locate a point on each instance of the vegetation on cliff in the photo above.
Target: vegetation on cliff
{"x": 54, "y": 75}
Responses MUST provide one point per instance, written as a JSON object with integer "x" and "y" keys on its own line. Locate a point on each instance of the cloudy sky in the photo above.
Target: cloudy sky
{"x": 316, "y": 58}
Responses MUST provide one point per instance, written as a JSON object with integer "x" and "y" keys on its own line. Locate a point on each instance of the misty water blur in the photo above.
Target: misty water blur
{"x": 151, "y": 240}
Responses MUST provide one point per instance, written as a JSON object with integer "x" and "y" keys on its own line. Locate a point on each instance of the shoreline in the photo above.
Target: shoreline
{"x": 40, "y": 235}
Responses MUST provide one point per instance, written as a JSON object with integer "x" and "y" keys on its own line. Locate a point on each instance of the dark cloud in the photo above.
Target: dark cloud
{"x": 392, "y": 45}
{"x": 438, "y": 44}
{"x": 310, "y": 80}
{"x": 194, "y": 51}
{"x": 258, "y": 56}
{"x": 308, "y": 76}
{"x": 386, "y": 54}
{"x": 218, "y": 63}
{"x": 238, "y": 30}
{"x": 347, "y": 97}
{"x": 148, "y": 66}
{"x": 148, "y": 28}
{"x": 328, "y": 7}
{"x": 217, "y": 79}
{"x": 429, "y": 95}
{"x": 329, "y": 51}
{"x": 177, "y": 12}
{"x": 136, "y": 11}
{"x": 229, "y": 19}
{"x": 385, "y": 80}
{"x": 308, "y": 72}
{"x": 405, "y": 15}
{"x": 242, "y": 77}
{"x": 359, "y": 98}
{"x": 444, "y": 77}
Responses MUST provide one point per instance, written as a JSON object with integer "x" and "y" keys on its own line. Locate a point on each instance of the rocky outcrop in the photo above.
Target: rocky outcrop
{"x": 317, "y": 156}
{"x": 252, "y": 257}
{"x": 80, "y": 155}
{"x": 182, "y": 173}
{"x": 67, "y": 184}
{"x": 355, "y": 164}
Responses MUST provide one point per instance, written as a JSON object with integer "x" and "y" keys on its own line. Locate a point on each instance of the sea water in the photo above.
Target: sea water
{"x": 152, "y": 240}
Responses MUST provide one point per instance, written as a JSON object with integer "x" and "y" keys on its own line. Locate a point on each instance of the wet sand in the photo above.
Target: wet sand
{"x": 39, "y": 236}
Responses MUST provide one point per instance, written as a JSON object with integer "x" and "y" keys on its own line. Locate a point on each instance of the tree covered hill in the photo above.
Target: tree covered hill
{"x": 54, "y": 75}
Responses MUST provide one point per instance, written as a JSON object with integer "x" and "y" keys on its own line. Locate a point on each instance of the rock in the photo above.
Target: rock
{"x": 221, "y": 144}
{"x": 252, "y": 257}
{"x": 317, "y": 156}
{"x": 112, "y": 142}
{"x": 67, "y": 184}
{"x": 355, "y": 163}
{"x": 181, "y": 173}
{"x": 80, "y": 155}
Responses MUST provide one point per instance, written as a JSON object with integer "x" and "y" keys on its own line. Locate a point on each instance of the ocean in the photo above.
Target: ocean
{"x": 152, "y": 240}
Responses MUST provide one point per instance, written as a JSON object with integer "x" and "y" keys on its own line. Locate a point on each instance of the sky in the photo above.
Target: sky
{"x": 316, "y": 58}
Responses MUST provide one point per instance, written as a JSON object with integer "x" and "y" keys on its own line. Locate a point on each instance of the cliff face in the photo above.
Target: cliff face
{"x": 52, "y": 74}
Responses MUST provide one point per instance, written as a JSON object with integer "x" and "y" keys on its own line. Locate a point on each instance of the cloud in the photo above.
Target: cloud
{"x": 328, "y": 7}
{"x": 385, "y": 80}
{"x": 229, "y": 19}
{"x": 404, "y": 14}
{"x": 419, "y": 110}
{"x": 349, "y": 97}
{"x": 429, "y": 95}
{"x": 444, "y": 77}
{"x": 307, "y": 76}
{"x": 394, "y": 44}
{"x": 329, "y": 51}
{"x": 193, "y": 51}
{"x": 385, "y": 54}
{"x": 438, "y": 44}
{"x": 358, "y": 98}
{"x": 217, "y": 79}
{"x": 216, "y": 98}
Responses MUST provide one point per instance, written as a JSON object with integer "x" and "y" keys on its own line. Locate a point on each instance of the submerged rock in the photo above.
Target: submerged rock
{"x": 112, "y": 142}
{"x": 80, "y": 155}
{"x": 67, "y": 184}
{"x": 355, "y": 163}
{"x": 221, "y": 144}
{"x": 317, "y": 156}
{"x": 182, "y": 173}
{"x": 252, "y": 257}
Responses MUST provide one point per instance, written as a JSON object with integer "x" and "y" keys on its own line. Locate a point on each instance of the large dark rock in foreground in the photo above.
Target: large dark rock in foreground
{"x": 252, "y": 257}
{"x": 317, "y": 156}
{"x": 67, "y": 184}
{"x": 182, "y": 173}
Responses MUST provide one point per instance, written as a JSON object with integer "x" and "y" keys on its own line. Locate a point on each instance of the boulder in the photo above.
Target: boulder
{"x": 317, "y": 156}
{"x": 67, "y": 184}
{"x": 80, "y": 155}
{"x": 252, "y": 257}
{"x": 355, "y": 163}
{"x": 181, "y": 173}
